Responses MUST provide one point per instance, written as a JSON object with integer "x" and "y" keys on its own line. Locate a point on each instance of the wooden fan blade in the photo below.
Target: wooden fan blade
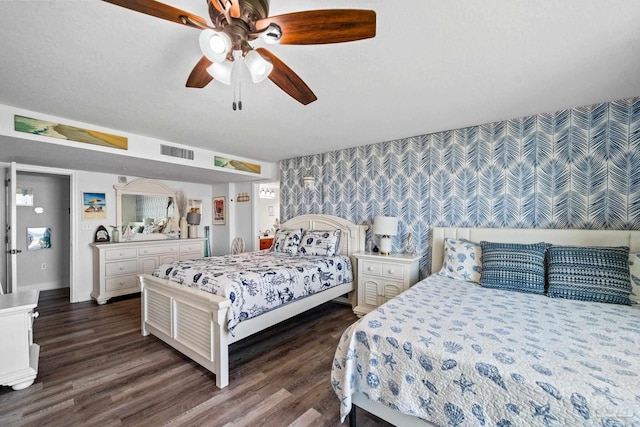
{"x": 235, "y": 8}
{"x": 323, "y": 26}
{"x": 287, "y": 80}
{"x": 217, "y": 5}
{"x": 161, "y": 10}
{"x": 199, "y": 76}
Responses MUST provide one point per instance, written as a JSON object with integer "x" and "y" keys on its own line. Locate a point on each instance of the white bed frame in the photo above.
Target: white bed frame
{"x": 507, "y": 235}
{"x": 194, "y": 322}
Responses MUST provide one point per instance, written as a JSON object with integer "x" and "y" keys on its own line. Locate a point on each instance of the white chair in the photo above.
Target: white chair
{"x": 237, "y": 245}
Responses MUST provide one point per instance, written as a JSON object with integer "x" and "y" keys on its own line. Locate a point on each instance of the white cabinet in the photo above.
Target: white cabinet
{"x": 116, "y": 265}
{"x": 18, "y": 354}
{"x": 382, "y": 277}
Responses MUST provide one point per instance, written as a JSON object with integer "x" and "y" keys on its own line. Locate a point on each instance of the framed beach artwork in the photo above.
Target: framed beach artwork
{"x": 219, "y": 210}
{"x": 94, "y": 206}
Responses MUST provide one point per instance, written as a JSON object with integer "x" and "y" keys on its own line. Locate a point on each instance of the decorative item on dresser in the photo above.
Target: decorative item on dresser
{"x": 115, "y": 265}
{"x": 193, "y": 219}
{"x": 18, "y": 354}
{"x": 382, "y": 277}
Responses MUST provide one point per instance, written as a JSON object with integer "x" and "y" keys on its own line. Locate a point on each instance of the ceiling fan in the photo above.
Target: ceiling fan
{"x": 237, "y": 22}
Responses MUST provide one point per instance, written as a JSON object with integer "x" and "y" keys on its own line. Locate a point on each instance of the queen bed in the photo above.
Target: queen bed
{"x": 452, "y": 352}
{"x": 264, "y": 288}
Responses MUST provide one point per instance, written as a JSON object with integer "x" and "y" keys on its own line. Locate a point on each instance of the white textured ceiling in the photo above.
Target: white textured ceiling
{"x": 434, "y": 65}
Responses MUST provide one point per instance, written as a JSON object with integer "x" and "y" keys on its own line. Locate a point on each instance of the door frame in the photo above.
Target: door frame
{"x": 73, "y": 221}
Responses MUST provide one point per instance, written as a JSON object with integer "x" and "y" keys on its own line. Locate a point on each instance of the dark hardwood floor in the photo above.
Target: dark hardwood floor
{"x": 97, "y": 370}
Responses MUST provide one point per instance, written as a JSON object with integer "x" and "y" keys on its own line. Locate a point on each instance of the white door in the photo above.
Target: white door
{"x": 10, "y": 227}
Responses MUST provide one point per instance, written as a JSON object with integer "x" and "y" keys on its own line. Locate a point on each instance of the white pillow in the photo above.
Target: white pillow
{"x": 287, "y": 241}
{"x": 320, "y": 242}
{"x": 461, "y": 260}
{"x": 634, "y": 270}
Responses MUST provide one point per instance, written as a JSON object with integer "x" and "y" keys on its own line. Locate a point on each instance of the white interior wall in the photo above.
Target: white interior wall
{"x": 242, "y": 218}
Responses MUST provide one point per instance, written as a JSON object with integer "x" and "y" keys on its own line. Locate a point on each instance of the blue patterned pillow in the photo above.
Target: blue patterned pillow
{"x": 287, "y": 241}
{"x": 461, "y": 260}
{"x": 513, "y": 266}
{"x": 596, "y": 273}
{"x": 320, "y": 242}
{"x": 634, "y": 271}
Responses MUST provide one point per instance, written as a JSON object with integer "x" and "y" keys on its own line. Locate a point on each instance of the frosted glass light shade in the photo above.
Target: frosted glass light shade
{"x": 259, "y": 67}
{"x": 221, "y": 71}
{"x": 214, "y": 45}
{"x": 385, "y": 225}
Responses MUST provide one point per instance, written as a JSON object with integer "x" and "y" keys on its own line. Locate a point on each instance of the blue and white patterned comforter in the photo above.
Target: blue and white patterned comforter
{"x": 457, "y": 354}
{"x": 257, "y": 282}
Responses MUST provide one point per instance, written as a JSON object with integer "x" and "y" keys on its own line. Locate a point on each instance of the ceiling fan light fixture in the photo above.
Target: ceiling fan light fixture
{"x": 215, "y": 45}
{"x": 221, "y": 71}
{"x": 259, "y": 68}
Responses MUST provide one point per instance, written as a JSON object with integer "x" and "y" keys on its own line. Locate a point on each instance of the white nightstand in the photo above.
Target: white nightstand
{"x": 382, "y": 277}
{"x": 18, "y": 353}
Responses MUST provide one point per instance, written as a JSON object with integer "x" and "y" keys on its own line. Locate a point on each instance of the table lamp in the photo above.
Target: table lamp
{"x": 385, "y": 226}
{"x": 193, "y": 219}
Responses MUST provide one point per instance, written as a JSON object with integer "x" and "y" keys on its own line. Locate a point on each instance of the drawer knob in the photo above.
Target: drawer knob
{"x": 390, "y": 271}
{"x": 370, "y": 268}
{"x": 121, "y": 253}
{"x": 121, "y": 268}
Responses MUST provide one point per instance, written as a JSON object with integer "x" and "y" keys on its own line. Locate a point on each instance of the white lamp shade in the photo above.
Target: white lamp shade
{"x": 385, "y": 225}
{"x": 259, "y": 67}
{"x": 215, "y": 45}
{"x": 221, "y": 71}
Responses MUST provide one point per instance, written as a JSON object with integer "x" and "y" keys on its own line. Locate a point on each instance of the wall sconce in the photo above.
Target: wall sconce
{"x": 267, "y": 193}
{"x": 309, "y": 182}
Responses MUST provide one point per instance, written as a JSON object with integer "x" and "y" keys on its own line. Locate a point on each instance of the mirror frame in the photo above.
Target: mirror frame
{"x": 140, "y": 187}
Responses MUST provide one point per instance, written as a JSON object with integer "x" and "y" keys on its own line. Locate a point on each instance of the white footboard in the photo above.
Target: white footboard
{"x": 191, "y": 321}
{"x": 194, "y": 322}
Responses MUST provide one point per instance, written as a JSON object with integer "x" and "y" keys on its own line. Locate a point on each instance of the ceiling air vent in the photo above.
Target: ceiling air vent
{"x": 176, "y": 152}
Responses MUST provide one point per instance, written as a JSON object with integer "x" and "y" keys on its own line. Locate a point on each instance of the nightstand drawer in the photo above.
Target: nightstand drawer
{"x": 393, "y": 270}
{"x": 123, "y": 267}
{"x": 117, "y": 283}
{"x": 371, "y": 267}
{"x": 116, "y": 254}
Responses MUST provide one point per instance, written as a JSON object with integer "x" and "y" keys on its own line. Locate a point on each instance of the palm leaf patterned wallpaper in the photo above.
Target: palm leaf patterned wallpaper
{"x": 577, "y": 168}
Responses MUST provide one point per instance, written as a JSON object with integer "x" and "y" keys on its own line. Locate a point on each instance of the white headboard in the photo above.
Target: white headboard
{"x": 351, "y": 239}
{"x": 532, "y": 235}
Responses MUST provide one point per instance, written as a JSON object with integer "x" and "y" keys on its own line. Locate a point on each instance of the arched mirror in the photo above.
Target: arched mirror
{"x": 146, "y": 206}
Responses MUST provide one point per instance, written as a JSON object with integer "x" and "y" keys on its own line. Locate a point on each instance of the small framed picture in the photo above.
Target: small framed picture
{"x": 94, "y": 206}
{"x": 24, "y": 196}
{"x": 219, "y": 210}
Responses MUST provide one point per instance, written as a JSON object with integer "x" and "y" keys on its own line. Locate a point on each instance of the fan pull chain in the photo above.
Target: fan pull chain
{"x": 237, "y": 86}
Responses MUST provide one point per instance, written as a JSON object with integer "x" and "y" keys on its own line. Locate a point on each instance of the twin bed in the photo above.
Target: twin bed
{"x": 266, "y": 288}
{"x": 452, "y": 352}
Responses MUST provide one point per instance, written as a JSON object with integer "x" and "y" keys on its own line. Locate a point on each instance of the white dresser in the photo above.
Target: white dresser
{"x": 382, "y": 277}
{"x": 116, "y": 265}
{"x": 18, "y": 354}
